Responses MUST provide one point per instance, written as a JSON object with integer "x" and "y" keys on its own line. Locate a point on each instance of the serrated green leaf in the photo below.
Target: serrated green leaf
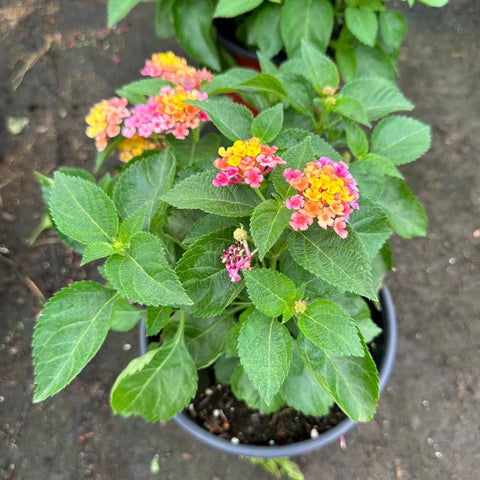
{"x": 71, "y": 329}
{"x": 132, "y": 224}
{"x": 310, "y": 20}
{"x": 270, "y": 291}
{"x": 117, "y": 9}
{"x": 346, "y": 61}
{"x": 156, "y": 319}
{"x": 323, "y": 72}
{"x": 104, "y": 154}
{"x": 378, "y": 96}
{"x": 224, "y": 368}
{"x": 404, "y": 211}
{"x": 192, "y": 22}
{"x": 163, "y": 18}
{"x": 363, "y": 23}
{"x": 125, "y": 316}
{"x": 204, "y": 275}
{"x": 208, "y": 224}
{"x": 296, "y": 158}
{"x": 97, "y": 250}
{"x": 144, "y": 183}
{"x": 393, "y": 27}
{"x": 143, "y": 274}
{"x": 331, "y": 329}
{"x": 233, "y": 8}
{"x": 357, "y": 141}
{"x": 341, "y": 262}
{"x": 313, "y": 399}
{"x": 198, "y": 192}
{"x": 232, "y": 119}
{"x": 231, "y": 342}
{"x": 265, "y": 350}
{"x": 300, "y": 92}
{"x": 188, "y": 152}
{"x": 371, "y": 225}
{"x": 373, "y": 62}
{"x": 352, "y": 382}
{"x": 157, "y": 385}
{"x": 267, "y": 125}
{"x": 145, "y": 87}
{"x": 401, "y": 139}
{"x": 81, "y": 210}
{"x": 267, "y": 223}
{"x": 223, "y": 82}
{"x": 243, "y": 388}
{"x": 352, "y": 109}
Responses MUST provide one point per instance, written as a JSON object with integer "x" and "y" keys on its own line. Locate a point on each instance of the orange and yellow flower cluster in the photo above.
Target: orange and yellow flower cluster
{"x": 246, "y": 161}
{"x": 326, "y": 192}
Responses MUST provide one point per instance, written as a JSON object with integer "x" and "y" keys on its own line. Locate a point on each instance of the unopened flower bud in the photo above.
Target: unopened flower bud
{"x": 329, "y": 90}
{"x": 240, "y": 235}
{"x": 300, "y": 306}
{"x": 331, "y": 100}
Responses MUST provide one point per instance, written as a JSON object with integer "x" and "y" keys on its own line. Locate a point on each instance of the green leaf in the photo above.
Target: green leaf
{"x": 231, "y": 342}
{"x": 401, "y": 139}
{"x": 132, "y": 224}
{"x": 373, "y": 62}
{"x": 404, "y": 211}
{"x": 233, "y": 8}
{"x": 323, "y": 72}
{"x": 209, "y": 224}
{"x": 103, "y": 155}
{"x": 296, "y": 158}
{"x": 117, "y": 9}
{"x": 144, "y": 183}
{"x": 163, "y": 19}
{"x": 205, "y": 338}
{"x": 363, "y": 23}
{"x": 378, "y": 96}
{"x": 223, "y": 82}
{"x": 188, "y": 152}
{"x": 81, "y": 210}
{"x": 268, "y": 221}
{"x": 265, "y": 350}
{"x": 352, "y": 382}
{"x": 198, "y": 192}
{"x": 357, "y": 141}
{"x": 346, "y": 61}
{"x": 435, "y": 3}
{"x": 270, "y": 291}
{"x": 352, "y": 109}
{"x": 267, "y": 125}
{"x": 97, "y": 250}
{"x": 300, "y": 92}
{"x": 71, "y": 329}
{"x": 266, "y": 65}
{"x": 156, "y": 319}
{"x": 359, "y": 310}
{"x": 143, "y": 274}
{"x": 204, "y": 275}
{"x": 331, "y": 329}
{"x": 157, "y": 385}
{"x": 341, "y": 262}
{"x": 310, "y": 20}
{"x": 262, "y": 83}
{"x": 393, "y": 27}
{"x": 371, "y": 226}
{"x": 146, "y": 87}
{"x": 232, "y": 119}
{"x": 243, "y": 388}
{"x": 193, "y": 27}
{"x": 124, "y": 315}
{"x": 313, "y": 399}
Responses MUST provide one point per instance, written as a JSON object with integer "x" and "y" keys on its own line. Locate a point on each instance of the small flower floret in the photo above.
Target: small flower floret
{"x": 246, "y": 161}
{"x": 326, "y": 192}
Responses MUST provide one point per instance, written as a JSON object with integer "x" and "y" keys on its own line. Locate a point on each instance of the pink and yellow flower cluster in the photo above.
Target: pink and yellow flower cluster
{"x": 175, "y": 69}
{"x": 246, "y": 161}
{"x": 145, "y": 126}
{"x": 326, "y": 192}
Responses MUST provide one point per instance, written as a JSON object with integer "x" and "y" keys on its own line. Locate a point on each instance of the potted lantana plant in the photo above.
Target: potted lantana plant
{"x": 253, "y": 255}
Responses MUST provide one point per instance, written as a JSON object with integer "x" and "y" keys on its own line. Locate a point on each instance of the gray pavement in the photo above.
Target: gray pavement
{"x": 428, "y": 421}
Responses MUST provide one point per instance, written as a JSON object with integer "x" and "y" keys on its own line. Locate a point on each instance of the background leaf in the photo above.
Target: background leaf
{"x": 363, "y": 23}
{"x": 267, "y": 125}
{"x": 323, "y": 72}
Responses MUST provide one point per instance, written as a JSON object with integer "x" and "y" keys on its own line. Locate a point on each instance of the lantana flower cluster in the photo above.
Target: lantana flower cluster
{"x": 246, "y": 161}
{"x": 327, "y": 192}
{"x": 145, "y": 126}
{"x": 169, "y": 66}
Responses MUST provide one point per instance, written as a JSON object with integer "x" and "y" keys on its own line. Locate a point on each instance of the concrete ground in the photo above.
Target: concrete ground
{"x": 428, "y": 419}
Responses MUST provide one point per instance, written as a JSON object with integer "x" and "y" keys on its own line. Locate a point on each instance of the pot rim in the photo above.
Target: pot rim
{"x": 386, "y": 365}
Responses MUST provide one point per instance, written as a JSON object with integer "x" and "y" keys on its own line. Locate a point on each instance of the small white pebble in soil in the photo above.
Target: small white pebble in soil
{"x": 426, "y": 403}
{"x": 2, "y": 398}
{"x": 271, "y": 442}
{"x": 216, "y": 413}
{"x": 208, "y": 391}
{"x": 314, "y": 433}
{"x": 452, "y": 261}
{"x": 235, "y": 440}
{"x": 232, "y": 409}
{"x": 476, "y": 234}
{"x": 430, "y": 441}
{"x": 191, "y": 407}
{"x": 126, "y": 347}
{"x": 439, "y": 454}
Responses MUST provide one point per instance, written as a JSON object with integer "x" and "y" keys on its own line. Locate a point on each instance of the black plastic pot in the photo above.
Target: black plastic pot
{"x": 384, "y": 355}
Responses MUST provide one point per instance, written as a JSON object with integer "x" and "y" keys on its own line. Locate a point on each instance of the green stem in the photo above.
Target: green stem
{"x": 260, "y": 194}
{"x": 196, "y": 134}
{"x": 173, "y": 239}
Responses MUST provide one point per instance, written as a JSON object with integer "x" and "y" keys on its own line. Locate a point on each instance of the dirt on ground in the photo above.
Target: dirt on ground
{"x": 57, "y": 58}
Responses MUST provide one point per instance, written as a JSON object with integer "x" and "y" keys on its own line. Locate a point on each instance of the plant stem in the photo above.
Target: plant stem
{"x": 260, "y": 194}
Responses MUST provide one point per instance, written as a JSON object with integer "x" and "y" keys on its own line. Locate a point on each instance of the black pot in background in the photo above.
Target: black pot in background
{"x": 384, "y": 355}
